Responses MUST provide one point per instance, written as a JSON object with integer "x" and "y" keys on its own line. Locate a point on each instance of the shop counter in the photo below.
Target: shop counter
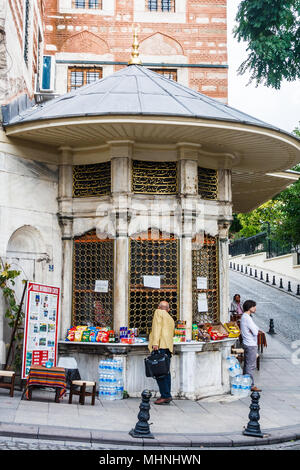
{"x": 198, "y": 369}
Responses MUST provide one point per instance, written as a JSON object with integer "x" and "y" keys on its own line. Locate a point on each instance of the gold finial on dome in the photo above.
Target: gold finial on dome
{"x": 135, "y": 55}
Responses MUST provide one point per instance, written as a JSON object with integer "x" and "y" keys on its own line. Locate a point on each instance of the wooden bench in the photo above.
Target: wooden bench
{"x": 82, "y": 391}
{"x": 8, "y": 385}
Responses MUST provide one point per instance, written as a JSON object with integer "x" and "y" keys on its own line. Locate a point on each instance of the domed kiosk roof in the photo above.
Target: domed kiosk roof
{"x": 138, "y": 105}
{"x": 135, "y": 90}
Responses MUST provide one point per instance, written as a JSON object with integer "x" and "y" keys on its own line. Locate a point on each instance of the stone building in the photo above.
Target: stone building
{"x": 132, "y": 175}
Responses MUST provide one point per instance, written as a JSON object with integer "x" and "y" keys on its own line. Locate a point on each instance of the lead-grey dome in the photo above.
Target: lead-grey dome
{"x": 135, "y": 90}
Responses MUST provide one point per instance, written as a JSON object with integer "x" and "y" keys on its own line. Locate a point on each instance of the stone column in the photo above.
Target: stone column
{"x": 223, "y": 270}
{"x": 120, "y": 154}
{"x": 224, "y": 221}
{"x": 66, "y": 223}
{"x": 188, "y": 178}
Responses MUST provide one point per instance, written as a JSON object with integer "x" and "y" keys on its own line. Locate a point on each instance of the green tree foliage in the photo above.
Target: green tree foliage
{"x": 266, "y": 216}
{"x": 272, "y": 30}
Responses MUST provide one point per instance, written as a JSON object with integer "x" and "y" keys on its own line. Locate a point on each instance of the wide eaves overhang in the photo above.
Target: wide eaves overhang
{"x": 142, "y": 106}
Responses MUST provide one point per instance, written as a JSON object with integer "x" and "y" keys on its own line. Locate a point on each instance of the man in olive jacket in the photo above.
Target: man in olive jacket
{"x": 161, "y": 338}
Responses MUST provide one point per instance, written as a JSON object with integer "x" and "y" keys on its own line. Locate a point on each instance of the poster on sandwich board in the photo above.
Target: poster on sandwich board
{"x": 40, "y": 326}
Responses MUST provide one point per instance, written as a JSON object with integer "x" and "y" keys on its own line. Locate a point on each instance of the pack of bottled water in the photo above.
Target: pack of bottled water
{"x": 110, "y": 379}
{"x": 233, "y": 366}
{"x": 241, "y": 385}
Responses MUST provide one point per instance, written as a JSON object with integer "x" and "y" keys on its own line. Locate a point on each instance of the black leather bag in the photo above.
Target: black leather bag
{"x": 157, "y": 364}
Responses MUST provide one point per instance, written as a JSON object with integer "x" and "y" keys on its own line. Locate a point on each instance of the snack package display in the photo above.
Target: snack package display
{"x": 216, "y": 331}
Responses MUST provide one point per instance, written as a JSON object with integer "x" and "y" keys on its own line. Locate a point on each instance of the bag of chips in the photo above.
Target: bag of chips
{"x": 85, "y": 336}
{"x": 78, "y": 335}
{"x": 70, "y": 334}
{"x": 102, "y": 336}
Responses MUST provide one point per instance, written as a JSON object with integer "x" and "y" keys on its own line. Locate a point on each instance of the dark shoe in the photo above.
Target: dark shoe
{"x": 162, "y": 401}
{"x": 255, "y": 389}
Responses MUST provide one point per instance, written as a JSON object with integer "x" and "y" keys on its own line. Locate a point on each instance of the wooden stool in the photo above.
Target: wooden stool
{"x": 11, "y": 384}
{"x": 82, "y": 391}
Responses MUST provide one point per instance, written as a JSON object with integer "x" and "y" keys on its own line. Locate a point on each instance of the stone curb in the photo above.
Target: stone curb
{"x": 271, "y": 436}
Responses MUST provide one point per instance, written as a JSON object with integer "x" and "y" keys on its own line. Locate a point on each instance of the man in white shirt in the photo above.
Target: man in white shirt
{"x": 249, "y": 332}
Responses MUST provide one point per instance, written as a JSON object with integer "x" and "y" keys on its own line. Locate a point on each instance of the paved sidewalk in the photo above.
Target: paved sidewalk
{"x": 211, "y": 422}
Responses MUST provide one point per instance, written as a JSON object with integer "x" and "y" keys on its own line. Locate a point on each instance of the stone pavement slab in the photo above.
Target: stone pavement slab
{"x": 215, "y": 422}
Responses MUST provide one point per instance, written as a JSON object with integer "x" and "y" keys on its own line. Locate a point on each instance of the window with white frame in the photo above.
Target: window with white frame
{"x": 160, "y": 5}
{"x": 87, "y": 4}
{"x": 79, "y": 76}
{"x": 171, "y": 74}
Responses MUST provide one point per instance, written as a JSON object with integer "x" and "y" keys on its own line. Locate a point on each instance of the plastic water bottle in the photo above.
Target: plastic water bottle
{"x": 235, "y": 370}
{"x": 236, "y": 386}
{"x": 230, "y": 361}
{"x": 246, "y": 385}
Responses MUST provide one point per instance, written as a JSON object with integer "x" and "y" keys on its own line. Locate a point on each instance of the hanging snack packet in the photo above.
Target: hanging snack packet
{"x": 93, "y": 334}
{"x": 70, "y": 334}
{"x": 85, "y": 336}
{"x": 78, "y": 335}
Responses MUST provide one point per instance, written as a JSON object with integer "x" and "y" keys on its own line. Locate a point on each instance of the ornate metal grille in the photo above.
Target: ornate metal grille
{"x": 91, "y": 180}
{"x": 154, "y": 177}
{"x": 207, "y": 183}
{"x": 205, "y": 263}
{"x": 93, "y": 259}
{"x": 152, "y": 257}
{"x": 26, "y": 31}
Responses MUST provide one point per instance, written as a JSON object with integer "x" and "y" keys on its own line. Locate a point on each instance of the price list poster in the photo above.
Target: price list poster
{"x": 41, "y": 326}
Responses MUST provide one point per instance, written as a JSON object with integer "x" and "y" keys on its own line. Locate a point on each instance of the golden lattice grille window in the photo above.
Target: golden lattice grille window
{"x": 207, "y": 183}
{"x": 152, "y": 257}
{"x": 93, "y": 259}
{"x": 154, "y": 177}
{"x": 205, "y": 263}
{"x": 91, "y": 180}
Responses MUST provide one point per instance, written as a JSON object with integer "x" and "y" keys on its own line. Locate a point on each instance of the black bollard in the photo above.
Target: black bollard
{"x": 271, "y": 328}
{"x": 253, "y": 427}
{"x": 246, "y": 270}
{"x": 267, "y": 277}
{"x": 273, "y": 283}
{"x": 298, "y": 289}
{"x": 289, "y": 286}
{"x": 230, "y": 265}
{"x": 142, "y": 428}
{"x": 255, "y": 273}
{"x": 250, "y": 271}
{"x": 242, "y": 268}
{"x": 261, "y": 276}
{"x": 238, "y": 267}
{"x": 280, "y": 284}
